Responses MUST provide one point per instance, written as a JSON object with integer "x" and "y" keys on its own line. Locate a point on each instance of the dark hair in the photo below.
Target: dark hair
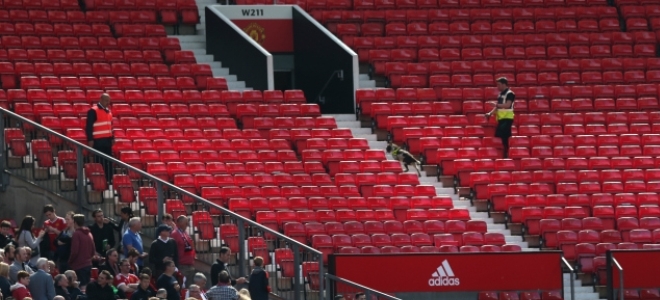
{"x": 167, "y": 217}
{"x": 146, "y": 271}
{"x": 223, "y": 277}
{"x": 225, "y": 250}
{"x": 258, "y": 261}
{"x": 5, "y": 224}
{"x": 107, "y": 253}
{"x": 168, "y": 263}
{"x": 339, "y": 297}
{"x": 125, "y": 260}
{"x": 48, "y": 208}
{"x": 96, "y": 212}
{"x": 27, "y": 224}
{"x": 145, "y": 276}
{"x": 133, "y": 252}
{"x": 503, "y": 80}
{"x": 79, "y": 220}
{"x": 7, "y": 248}
{"x": 107, "y": 274}
{"x": 127, "y": 210}
{"x": 21, "y": 275}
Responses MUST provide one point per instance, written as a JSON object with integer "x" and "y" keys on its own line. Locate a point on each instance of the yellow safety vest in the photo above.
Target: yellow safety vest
{"x": 504, "y": 113}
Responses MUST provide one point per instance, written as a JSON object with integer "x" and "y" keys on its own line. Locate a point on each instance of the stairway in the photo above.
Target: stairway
{"x": 348, "y": 121}
{"x": 197, "y": 44}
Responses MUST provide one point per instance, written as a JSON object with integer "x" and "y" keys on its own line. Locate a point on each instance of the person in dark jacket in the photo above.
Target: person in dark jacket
{"x": 103, "y": 233}
{"x": 82, "y": 250}
{"x": 163, "y": 249}
{"x": 63, "y": 252}
{"x": 258, "y": 282}
{"x": 74, "y": 284}
{"x": 111, "y": 262}
{"x": 144, "y": 291}
{"x": 168, "y": 282}
{"x": 221, "y": 265}
{"x": 6, "y": 234}
{"x": 61, "y": 285}
{"x": 101, "y": 289}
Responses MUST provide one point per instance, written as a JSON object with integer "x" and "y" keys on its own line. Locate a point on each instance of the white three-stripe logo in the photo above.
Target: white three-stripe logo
{"x": 444, "y": 270}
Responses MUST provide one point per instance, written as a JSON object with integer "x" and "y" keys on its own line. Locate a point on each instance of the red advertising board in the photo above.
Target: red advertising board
{"x": 451, "y": 272}
{"x": 640, "y": 268}
{"x": 269, "y": 25}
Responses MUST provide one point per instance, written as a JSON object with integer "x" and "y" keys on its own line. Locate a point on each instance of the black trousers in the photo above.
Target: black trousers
{"x": 503, "y": 131}
{"x": 104, "y": 146}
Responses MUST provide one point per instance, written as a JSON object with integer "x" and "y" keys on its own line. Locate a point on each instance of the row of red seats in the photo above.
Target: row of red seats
{"x": 429, "y": 249}
{"x": 532, "y": 79}
{"x": 96, "y": 56}
{"x": 535, "y": 295}
{"x": 194, "y": 160}
{"x": 88, "y": 17}
{"x": 171, "y": 12}
{"x": 172, "y": 96}
{"x": 590, "y": 129}
{"x": 639, "y": 11}
{"x": 106, "y": 69}
{"x": 509, "y": 53}
{"x": 90, "y": 42}
{"x": 523, "y": 66}
{"x": 247, "y": 112}
{"x": 120, "y": 82}
{"x": 197, "y": 145}
{"x": 312, "y": 5}
{"x": 353, "y": 219}
{"x": 588, "y": 151}
{"x": 80, "y": 30}
{"x": 486, "y": 27}
{"x": 411, "y": 14}
{"x": 622, "y": 140}
{"x": 499, "y": 40}
{"x": 225, "y": 131}
{"x": 260, "y": 123}
{"x": 500, "y": 190}
{"x": 43, "y": 4}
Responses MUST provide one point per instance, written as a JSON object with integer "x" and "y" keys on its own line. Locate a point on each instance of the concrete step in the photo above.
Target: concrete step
{"x": 205, "y": 2}
{"x": 197, "y": 51}
{"x": 190, "y": 38}
{"x": 220, "y": 71}
{"x": 364, "y": 77}
{"x": 236, "y": 85}
{"x": 205, "y": 58}
{"x": 193, "y": 45}
{"x": 367, "y": 83}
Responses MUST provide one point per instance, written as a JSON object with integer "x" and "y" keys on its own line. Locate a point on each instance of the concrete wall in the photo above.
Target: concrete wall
{"x": 23, "y": 198}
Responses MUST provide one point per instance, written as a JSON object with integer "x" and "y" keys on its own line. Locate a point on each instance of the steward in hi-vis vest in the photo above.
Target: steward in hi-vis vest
{"x": 503, "y": 111}
{"x": 99, "y": 132}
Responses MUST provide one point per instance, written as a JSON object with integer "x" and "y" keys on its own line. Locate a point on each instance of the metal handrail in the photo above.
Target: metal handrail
{"x": 618, "y": 266}
{"x": 367, "y": 291}
{"x": 295, "y": 245}
{"x": 572, "y": 271}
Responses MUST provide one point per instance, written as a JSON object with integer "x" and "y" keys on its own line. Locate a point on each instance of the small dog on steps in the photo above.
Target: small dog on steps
{"x": 404, "y": 156}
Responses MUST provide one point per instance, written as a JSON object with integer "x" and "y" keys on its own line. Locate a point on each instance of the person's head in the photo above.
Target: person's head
{"x": 200, "y": 279}
{"x": 27, "y": 223}
{"x": 223, "y": 277}
{"x": 340, "y": 297}
{"x": 71, "y": 277}
{"x": 104, "y": 278}
{"x": 126, "y": 213}
{"x": 135, "y": 224}
{"x": 61, "y": 281}
{"x": 163, "y": 231}
{"x": 360, "y": 296}
{"x": 42, "y": 264}
{"x": 10, "y": 250}
{"x": 98, "y": 216}
{"x": 21, "y": 255}
{"x": 49, "y": 212}
{"x": 146, "y": 270}
{"x": 5, "y": 228}
{"x": 79, "y": 220}
{"x": 23, "y": 277}
{"x": 4, "y": 270}
{"x": 125, "y": 266}
{"x": 195, "y": 291}
{"x": 105, "y": 100}
{"x": 51, "y": 266}
{"x": 133, "y": 256}
{"x": 225, "y": 254}
{"x": 169, "y": 267}
{"x": 145, "y": 281}
{"x": 58, "y": 298}
{"x": 112, "y": 256}
{"x": 28, "y": 253}
{"x": 502, "y": 83}
{"x": 167, "y": 219}
{"x": 154, "y": 298}
{"x": 244, "y": 294}
{"x": 161, "y": 294}
{"x": 258, "y": 261}
{"x": 68, "y": 217}
{"x": 182, "y": 222}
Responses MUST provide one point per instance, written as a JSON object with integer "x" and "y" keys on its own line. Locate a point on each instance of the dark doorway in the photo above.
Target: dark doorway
{"x": 283, "y": 80}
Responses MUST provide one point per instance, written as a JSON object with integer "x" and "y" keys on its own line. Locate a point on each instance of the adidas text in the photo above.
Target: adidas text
{"x": 444, "y": 276}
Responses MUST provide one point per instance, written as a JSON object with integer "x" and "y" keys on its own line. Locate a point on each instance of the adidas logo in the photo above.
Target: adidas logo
{"x": 444, "y": 276}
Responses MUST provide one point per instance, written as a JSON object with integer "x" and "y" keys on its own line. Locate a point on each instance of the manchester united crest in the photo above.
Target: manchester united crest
{"x": 256, "y": 32}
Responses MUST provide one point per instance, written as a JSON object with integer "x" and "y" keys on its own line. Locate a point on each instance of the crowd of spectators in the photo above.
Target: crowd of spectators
{"x": 68, "y": 259}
